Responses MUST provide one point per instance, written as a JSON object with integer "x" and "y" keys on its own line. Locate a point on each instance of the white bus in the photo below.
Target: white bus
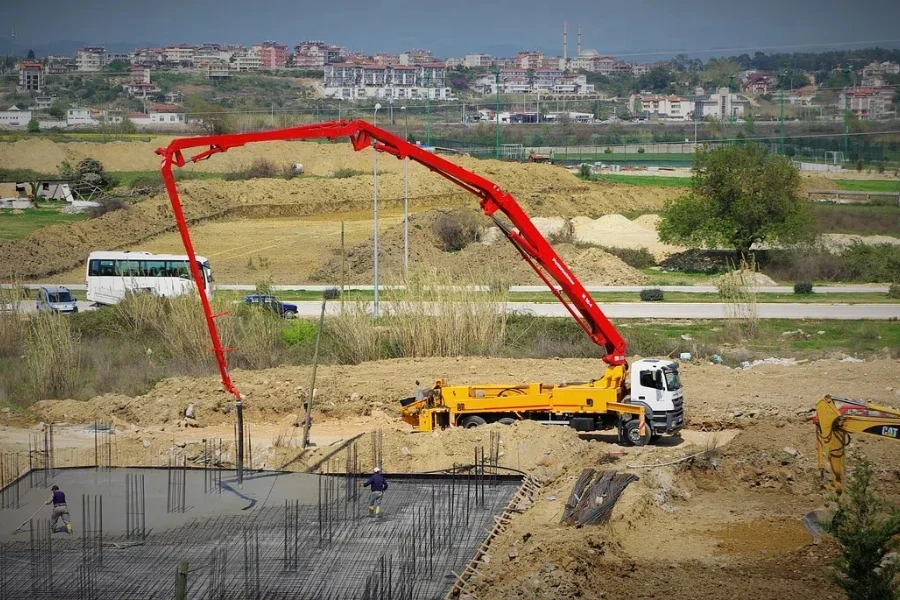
{"x": 111, "y": 275}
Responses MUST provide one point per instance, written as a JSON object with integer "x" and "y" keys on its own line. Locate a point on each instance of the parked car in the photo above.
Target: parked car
{"x": 283, "y": 309}
{"x": 56, "y": 299}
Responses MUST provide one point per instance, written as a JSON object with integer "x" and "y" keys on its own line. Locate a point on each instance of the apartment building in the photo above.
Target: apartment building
{"x": 140, "y": 84}
{"x": 90, "y": 58}
{"x": 243, "y": 60}
{"x": 721, "y": 105}
{"x": 316, "y": 54}
{"x": 272, "y": 55}
{"x": 757, "y": 83}
{"x": 181, "y": 54}
{"x": 416, "y": 57}
{"x": 350, "y": 81}
{"x": 867, "y": 103}
{"x": 478, "y": 61}
{"x": 31, "y": 76}
{"x": 663, "y": 107}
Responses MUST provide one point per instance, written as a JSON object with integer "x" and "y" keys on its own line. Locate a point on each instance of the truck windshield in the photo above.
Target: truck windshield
{"x": 673, "y": 382}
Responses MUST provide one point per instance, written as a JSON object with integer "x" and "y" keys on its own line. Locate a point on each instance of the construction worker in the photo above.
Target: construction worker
{"x": 60, "y": 510}
{"x": 378, "y": 484}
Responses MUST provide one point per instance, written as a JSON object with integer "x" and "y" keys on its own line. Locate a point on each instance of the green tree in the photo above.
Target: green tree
{"x": 30, "y": 55}
{"x": 34, "y": 126}
{"x": 212, "y": 118}
{"x": 749, "y": 124}
{"x": 739, "y": 195}
{"x": 117, "y": 66}
{"x": 866, "y": 528}
{"x": 127, "y": 126}
{"x": 58, "y": 109}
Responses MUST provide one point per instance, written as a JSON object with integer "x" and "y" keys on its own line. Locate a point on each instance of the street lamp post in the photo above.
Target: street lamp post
{"x": 406, "y": 204}
{"x": 847, "y": 102}
{"x": 391, "y": 105}
{"x": 497, "y": 83}
{"x": 375, "y": 216}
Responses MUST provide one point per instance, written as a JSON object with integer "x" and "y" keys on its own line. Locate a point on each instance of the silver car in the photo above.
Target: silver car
{"x": 56, "y": 299}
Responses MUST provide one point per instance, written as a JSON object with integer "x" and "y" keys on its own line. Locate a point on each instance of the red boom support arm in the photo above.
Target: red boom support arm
{"x": 523, "y": 234}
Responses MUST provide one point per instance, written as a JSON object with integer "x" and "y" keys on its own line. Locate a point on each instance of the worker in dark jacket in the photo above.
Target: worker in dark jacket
{"x": 60, "y": 510}
{"x": 379, "y": 485}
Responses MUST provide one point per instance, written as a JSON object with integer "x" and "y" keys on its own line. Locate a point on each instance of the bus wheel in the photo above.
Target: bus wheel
{"x": 633, "y": 433}
{"x": 472, "y": 421}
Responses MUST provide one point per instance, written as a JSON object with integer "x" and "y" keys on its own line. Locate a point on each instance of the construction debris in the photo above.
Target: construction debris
{"x": 594, "y": 496}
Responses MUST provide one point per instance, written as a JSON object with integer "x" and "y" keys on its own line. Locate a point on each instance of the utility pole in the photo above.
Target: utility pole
{"x": 782, "y": 113}
{"x": 846, "y": 118}
{"x": 497, "y": 143}
{"x": 428, "y": 117}
{"x": 375, "y": 214}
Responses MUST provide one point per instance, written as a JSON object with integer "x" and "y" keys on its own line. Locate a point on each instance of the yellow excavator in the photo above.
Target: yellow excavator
{"x": 836, "y": 418}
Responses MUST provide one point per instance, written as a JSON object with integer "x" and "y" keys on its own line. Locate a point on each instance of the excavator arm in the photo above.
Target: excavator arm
{"x": 836, "y": 418}
{"x": 533, "y": 247}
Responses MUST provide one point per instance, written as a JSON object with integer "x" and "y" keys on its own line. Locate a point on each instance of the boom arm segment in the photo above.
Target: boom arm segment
{"x": 523, "y": 234}
{"x": 836, "y": 418}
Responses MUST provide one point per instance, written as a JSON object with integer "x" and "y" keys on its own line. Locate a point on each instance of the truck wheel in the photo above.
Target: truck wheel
{"x": 472, "y": 421}
{"x": 633, "y": 433}
{"x": 506, "y": 421}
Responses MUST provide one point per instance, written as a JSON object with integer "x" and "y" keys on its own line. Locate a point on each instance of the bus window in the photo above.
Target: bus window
{"x": 127, "y": 268}
{"x": 177, "y": 268}
{"x": 102, "y": 268}
{"x": 153, "y": 268}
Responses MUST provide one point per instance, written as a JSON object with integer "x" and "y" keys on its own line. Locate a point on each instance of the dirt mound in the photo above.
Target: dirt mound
{"x": 817, "y": 182}
{"x": 477, "y": 262}
{"x": 650, "y": 222}
{"x": 542, "y": 190}
{"x": 750, "y": 278}
{"x": 618, "y": 231}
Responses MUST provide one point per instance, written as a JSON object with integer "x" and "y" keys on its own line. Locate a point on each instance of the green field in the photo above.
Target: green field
{"x": 868, "y": 185}
{"x": 19, "y": 226}
{"x": 645, "y": 180}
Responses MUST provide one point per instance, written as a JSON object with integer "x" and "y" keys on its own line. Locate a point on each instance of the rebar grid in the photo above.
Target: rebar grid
{"x": 10, "y": 495}
{"x": 428, "y": 530}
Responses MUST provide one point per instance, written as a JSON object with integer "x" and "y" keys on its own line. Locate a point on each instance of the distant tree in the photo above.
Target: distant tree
{"x": 58, "y": 109}
{"x": 127, "y": 126}
{"x": 212, "y": 118}
{"x": 30, "y": 55}
{"x": 740, "y": 195}
{"x": 117, "y": 66}
{"x": 749, "y": 124}
{"x": 34, "y": 126}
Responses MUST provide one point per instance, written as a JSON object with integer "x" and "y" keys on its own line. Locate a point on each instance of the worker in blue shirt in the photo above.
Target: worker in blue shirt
{"x": 60, "y": 510}
{"x": 379, "y": 485}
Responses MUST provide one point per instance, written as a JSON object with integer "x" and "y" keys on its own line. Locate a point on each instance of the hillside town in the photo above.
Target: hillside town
{"x": 661, "y": 91}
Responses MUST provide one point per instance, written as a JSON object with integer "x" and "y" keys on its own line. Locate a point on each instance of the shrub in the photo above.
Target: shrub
{"x": 639, "y": 258}
{"x": 345, "y": 173}
{"x": 608, "y": 150}
{"x": 873, "y": 263}
{"x": 803, "y": 287}
{"x": 640, "y": 150}
{"x": 108, "y": 205}
{"x": 652, "y": 295}
{"x": 865, "y": 528}
{"x": 456, "y": 230}
{"x": 584, "y": 171}
{"x": 298, "y": 331}
{"x": 894, "y": 291}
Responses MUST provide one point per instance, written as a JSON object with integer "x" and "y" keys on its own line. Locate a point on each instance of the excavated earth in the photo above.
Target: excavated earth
{"x": 724, "y": 524}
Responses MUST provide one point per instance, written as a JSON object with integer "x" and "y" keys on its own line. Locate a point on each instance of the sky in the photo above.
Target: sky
{"x": 633, "y": 30}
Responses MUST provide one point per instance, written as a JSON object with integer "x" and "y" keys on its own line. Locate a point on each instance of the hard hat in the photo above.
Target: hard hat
{"x": 378, "y": 469}
{"x": 54, "y": 488}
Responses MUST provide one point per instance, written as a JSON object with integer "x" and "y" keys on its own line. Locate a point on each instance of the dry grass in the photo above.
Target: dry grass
{"x": 51, "y": 357}
{"x": 430, "y": 317}
{"x": 11, "y": 325}
{"x": 739, "y": 293}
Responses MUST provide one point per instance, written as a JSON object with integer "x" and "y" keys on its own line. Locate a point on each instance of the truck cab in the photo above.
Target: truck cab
{"x": 656, "y": 385}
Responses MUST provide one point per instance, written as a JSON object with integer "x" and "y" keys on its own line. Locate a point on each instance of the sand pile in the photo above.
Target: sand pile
{"x": 750, "y": 278}
{"x": 620, "y": 232}
{"x": 476, "y": 263}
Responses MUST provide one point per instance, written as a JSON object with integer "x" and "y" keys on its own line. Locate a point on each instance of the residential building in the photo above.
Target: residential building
{"x": 867, "y": 103}
{"x": 663, "y": 107}
{"x": 161, "y": 120}
{"x": 125, "y": 57}
{"x": 43, "y": 102}
{"x": 572, "y": 84}
{"x": 59, "y": 65}
{"x": 416, "y": 57}
{"x": 272, "y": 55}
{"x": 182, "y": 54}
{"x": 453, "y": 63}
{"x": 386, "y": 59}
{"x": 77, "y": 116}
{"x": 140, "y": 84}
{"x": 519, "y": 80}
{"x": 242, "y": 61}
{"x": 31, "y": 76}
{"x": 90, "y": 58}
{"x": 478, "y": 61}
{"x": 316, "y": 54}
{"x": 593, "y": 62}
{"x": 350, "y": 81}
{"x": 721, "y": 105}
{"x": 149, "y": 56}
{"x": 638, "y": 69}
{"x": 214, "y": 70}
{"x": 14, "y": 117}
{"x": 757, "y": 83}
{"x": 530, "y": 60}
{"x": 881, "y": 69}
{"x": 212, "y": 53}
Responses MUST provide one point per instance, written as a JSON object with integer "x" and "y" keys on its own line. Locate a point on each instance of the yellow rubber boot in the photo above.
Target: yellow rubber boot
{"x": 69, "y": 528}
{"x": 377, "y": 511}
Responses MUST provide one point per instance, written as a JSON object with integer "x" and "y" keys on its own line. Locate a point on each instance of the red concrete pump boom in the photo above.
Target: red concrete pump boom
{"x": 523, "y": 234}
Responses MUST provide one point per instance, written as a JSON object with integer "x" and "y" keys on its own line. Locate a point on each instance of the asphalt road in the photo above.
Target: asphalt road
{"x": 646, "y": 310}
